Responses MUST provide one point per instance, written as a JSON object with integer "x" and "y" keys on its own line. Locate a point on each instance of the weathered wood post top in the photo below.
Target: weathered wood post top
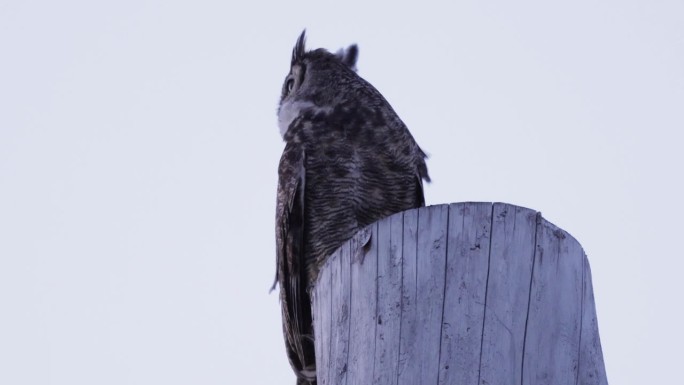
{"x": 465, "y": 293}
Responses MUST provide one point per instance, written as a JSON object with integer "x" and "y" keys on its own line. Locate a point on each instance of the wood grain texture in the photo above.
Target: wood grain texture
{"x": 464, "y": 304}
{"x": 390, "y": 252}
{"x": 510, "y": 271}
{"x": 409, "y": 289}
{"x": 553, "y": 323}
{"x": 322, "y": 318}
{"x": 430, "y": 275}
{"x": 340, "y": 300}
{"x": 364, "y": 267}
{"x": 467, "y": 293}
{"x": 592, "y": 370}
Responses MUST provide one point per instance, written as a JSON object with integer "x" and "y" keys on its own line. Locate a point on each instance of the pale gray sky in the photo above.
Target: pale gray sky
{"x": 139, "y": 145}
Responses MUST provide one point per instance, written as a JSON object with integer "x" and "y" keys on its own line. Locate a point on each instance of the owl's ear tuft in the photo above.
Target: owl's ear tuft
{"x": 298, "y": 51}
{"x": 349, "y": 56}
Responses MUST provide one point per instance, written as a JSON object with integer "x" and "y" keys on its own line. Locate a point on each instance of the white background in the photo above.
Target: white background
{"x": 139, "y": 146}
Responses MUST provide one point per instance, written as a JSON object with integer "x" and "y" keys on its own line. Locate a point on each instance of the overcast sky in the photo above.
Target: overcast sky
{"x": 139, "y": 146}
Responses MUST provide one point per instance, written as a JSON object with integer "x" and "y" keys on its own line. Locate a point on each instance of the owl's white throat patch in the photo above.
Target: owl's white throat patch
{"x": 291, "y": 109}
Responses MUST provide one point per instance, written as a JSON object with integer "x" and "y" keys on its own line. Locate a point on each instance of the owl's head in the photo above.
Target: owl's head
{"x": 317, "y": 80}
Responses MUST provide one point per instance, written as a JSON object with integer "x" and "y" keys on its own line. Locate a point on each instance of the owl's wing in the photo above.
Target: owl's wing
{"x": 290, "y": 263}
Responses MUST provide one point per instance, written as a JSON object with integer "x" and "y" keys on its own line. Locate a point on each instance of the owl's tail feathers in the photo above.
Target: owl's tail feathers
{"x": 305, "y": 382}
{"x": 308, "y": 371}
{"x": 307, "y": 376}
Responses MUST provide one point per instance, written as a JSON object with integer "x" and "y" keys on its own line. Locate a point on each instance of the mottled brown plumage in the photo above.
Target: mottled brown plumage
{"x": 348, "y": 162}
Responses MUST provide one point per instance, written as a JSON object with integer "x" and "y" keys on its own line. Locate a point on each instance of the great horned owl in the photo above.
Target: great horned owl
{"x": 348, "y": 161}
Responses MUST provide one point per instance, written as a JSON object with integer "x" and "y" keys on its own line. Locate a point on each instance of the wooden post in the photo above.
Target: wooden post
{"x": 466, "y": 293}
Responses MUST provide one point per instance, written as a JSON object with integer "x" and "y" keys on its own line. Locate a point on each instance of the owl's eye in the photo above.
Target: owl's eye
{"x": 289, "y": 85}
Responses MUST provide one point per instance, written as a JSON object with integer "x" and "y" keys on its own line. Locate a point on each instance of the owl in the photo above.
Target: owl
{"x": 348, "y": 161}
